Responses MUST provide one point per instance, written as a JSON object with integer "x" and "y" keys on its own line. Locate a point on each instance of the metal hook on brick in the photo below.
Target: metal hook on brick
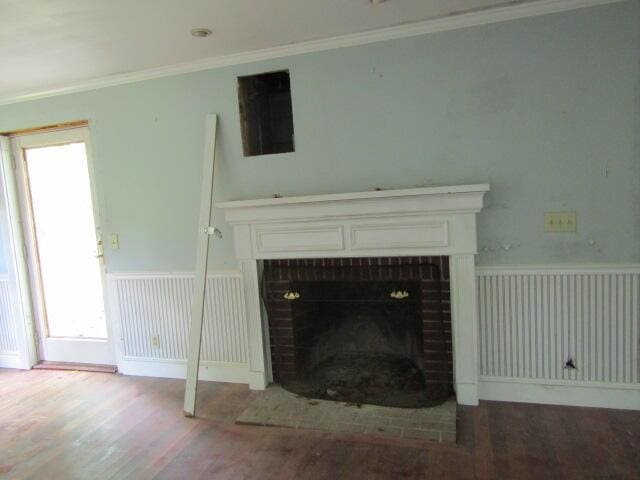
{"x": 291, "y": 295}
{"x": 399, "y": 295}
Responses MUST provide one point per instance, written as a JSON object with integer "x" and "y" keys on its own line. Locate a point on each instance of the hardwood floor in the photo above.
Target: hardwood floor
{"x": 67, "y": 425}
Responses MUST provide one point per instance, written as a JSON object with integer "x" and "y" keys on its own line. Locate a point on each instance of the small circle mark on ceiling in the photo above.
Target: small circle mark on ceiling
{"x": 200, "y": 32}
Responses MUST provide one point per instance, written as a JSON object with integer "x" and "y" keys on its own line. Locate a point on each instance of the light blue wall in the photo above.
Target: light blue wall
{"x": 540, "y": 108}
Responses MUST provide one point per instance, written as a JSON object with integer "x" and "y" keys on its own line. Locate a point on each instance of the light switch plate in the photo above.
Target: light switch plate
{"x": 113, "y": 241}
{"x": 560, "y": 222}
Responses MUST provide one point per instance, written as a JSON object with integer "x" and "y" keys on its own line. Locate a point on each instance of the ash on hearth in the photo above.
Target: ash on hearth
{"x": 371, "y": 378}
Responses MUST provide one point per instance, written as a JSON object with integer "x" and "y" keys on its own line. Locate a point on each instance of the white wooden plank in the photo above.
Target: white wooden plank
{"x": 512, "y": 327}
{"x": 566, "y": 321}
{"x": 619, "y": 367}
{"x": 628, "y": 321}
{"x": 579, "y": 340}
{"x": 482, "y": 304}
{"x": 495, "y": 315}
{"x": 202, "y": 257}
{"x": 635, "y": 327}
{"x": 521, "y": 336}
{"x": 593, "y": 326}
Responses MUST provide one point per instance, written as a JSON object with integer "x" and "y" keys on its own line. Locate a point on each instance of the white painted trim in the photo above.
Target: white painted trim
{"x": 480, "y": 270}
{"x": 565, "y": 392}
{"x": 202, "y": 260}
{"x": 21, "y": 287}
{"x": 372, "y": 194}
{"x": 306, "y": 220}
{"x": 113, "y": 306}
{"x": 209, "y": 371}
{"x": 537, "y": 390}
{"x": 464, "y": 327}
{"x": 556, "y": 269}
{"x": 147, "y": 275}
{"x": 11, "y": 360}
{"x": 452, "y": 22}
{"x": 96, "y": 351}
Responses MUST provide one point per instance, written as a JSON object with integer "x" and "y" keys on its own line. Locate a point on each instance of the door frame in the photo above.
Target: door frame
{"x": 99, "y": 351}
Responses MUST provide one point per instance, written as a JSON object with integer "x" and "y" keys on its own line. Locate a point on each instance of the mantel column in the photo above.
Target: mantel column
{"x": 257, "y": 335}
{"x": 464, "y": 325}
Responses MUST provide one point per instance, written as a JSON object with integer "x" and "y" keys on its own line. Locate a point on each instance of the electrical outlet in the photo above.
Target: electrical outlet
{"x": 560, "y": 222}
{"x": 155, "y": 341}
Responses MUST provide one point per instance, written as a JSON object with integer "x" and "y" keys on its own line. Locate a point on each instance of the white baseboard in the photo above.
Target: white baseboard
{"x": 209, "y": 371}
{"x": 572, "y": 393}
{"x": 11, "y": 360}
{"x": 467, "y": 393}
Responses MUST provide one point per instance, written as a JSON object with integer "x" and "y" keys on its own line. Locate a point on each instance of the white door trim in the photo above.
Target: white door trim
{"x": 94, "y": 351}
{"x": 18, "y": 269}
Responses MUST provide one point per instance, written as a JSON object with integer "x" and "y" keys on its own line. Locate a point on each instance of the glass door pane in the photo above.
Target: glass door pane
{"x": 66, "y": 244}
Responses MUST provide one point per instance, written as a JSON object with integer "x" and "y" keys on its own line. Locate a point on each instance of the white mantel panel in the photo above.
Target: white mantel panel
{"x": 398, "y": 236}
{"x": 411, "y": 233}
{"x": 294, "y": 238}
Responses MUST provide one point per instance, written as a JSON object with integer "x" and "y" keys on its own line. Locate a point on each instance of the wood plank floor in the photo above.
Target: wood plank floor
{"x": 83, "y": 425}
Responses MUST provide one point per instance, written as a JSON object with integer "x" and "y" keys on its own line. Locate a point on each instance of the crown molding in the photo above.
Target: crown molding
{"x": 453, "y": 22}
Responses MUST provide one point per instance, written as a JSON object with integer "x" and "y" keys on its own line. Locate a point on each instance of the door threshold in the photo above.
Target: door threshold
{"x": 82, "y": 367}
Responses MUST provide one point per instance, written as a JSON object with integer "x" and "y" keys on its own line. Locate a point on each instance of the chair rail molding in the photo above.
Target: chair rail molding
{"x": 422, "y": 221}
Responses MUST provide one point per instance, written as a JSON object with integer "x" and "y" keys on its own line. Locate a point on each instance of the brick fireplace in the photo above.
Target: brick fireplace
{"x": 366, "y": 330}
{"x": 435, "y": 223}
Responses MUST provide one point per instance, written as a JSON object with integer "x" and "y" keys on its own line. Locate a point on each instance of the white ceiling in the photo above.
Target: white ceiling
{"x": 46, "y": 44}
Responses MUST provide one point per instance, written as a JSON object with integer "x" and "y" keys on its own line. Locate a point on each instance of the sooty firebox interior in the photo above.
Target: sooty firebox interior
{"x": 359, "y": 331}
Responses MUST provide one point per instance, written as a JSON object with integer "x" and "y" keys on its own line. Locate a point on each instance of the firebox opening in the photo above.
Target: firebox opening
{"x": 351, "y": 348}
{"x": 363, "y": 334}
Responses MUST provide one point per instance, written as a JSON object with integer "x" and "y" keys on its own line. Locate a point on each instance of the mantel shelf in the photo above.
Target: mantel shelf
{"x": 410, "y": 192}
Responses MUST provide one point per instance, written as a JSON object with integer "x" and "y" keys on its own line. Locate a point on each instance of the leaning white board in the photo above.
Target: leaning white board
{"x": 202, "y": 258}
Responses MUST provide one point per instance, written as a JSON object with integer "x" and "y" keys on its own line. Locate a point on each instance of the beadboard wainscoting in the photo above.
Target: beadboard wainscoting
{"x": 9, "y": 351}
{"x": 533, "y": 320}
{"x": 151, "y": 317}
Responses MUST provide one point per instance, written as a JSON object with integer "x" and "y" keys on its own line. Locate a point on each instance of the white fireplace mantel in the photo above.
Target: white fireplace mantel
{"x": 413, "y": 222}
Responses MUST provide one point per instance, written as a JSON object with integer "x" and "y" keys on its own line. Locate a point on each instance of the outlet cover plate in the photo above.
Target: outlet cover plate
{"x": 560, "y": 222}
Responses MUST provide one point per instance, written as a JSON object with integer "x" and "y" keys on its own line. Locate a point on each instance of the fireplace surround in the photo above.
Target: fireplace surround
{"x": 433, "y": 221}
